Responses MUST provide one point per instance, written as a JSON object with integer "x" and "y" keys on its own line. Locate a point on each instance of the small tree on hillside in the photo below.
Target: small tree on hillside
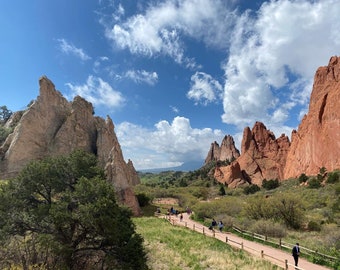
{"x": 66, "y": 203}
{"x": 221, "y": 191}
{"x": 303, "y": 178}
{"x": 290, "y": 210}
{"x": 5, "y": 114}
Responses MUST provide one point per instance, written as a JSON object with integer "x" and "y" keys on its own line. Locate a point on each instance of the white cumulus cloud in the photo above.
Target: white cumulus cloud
{"x": 167, "y": 145}
{"x": 98, "y": 92}
{"x": 204, "y": 89}
{"x": 159, "y": 29}
{"x": 273, "y": 58}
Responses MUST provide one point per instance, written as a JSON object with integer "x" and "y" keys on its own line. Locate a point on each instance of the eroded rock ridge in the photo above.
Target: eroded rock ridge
{"x": 316, "y": 143}
{"x": 52, "y": 126}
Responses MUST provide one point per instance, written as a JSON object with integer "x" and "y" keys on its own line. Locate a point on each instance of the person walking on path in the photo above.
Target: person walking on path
{"x": 296, "y": 253}
{"x": 213, "y": 224}
{"x": 220, "y": 225}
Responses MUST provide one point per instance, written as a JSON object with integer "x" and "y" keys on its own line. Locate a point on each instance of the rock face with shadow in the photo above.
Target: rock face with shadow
{"x": 227, "y": 150}
{"x": 262, "y": 157}
{"x": 53, "y": 126}
{"x": 316, "y": 143}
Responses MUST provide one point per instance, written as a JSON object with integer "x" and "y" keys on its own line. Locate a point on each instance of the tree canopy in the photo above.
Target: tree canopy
{"x": 65, "y": 206}
{"x": 5, "y": 114}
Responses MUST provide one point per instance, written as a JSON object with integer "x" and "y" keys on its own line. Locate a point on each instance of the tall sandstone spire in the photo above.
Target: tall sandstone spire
{"x": 316, "y": 143}
{"x": 227, "y": 151}
{"x": 52, "y": 126}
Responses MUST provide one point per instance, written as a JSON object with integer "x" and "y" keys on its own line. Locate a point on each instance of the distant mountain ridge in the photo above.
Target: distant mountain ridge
{"x": 185, "y": 167}
{"x": 315, "y": 145}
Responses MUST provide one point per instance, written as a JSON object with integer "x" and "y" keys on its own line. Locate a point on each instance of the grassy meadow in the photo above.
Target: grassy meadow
{"x": 176, "y": 248}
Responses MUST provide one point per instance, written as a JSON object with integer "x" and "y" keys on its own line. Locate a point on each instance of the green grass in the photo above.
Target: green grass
{"x": 177, "y": 248}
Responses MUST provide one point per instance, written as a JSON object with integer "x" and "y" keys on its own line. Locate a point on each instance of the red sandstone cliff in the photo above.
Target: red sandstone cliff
{"x": 316, "y": 143}
{"x": 262, "y": 157}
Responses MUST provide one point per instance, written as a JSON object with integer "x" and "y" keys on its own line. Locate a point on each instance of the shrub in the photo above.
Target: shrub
{"x": 257, "y": 207}
{"x": 333, "y": 177}
{"x": 221, "y": 191}
{"x": 251, "y": 189}
{"x": 227, "y": 206}
{"x": 269, "y": 228}
{"x": 303, "y": 178}
{"x": 270, "y": 184}
{"x": 4, "y": 132}
{"x": 314, "y": 183}
{"x": 322, "y": 170}
{"x": 143, "y": 199}
{"x": 331, "y": 234}
{"x": 313, "y": 226}
{"x": 289, "y": 209}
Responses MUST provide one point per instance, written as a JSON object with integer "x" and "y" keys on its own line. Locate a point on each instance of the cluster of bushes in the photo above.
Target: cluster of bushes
{"x": 317, "y": 181}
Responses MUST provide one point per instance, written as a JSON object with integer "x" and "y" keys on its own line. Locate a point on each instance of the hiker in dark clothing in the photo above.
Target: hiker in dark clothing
{"x": 213, "y": 224}
{"x": 296, "y": 253}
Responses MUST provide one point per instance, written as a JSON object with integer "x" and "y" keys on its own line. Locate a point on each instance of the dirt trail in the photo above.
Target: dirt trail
{"x": 276, "y": 256}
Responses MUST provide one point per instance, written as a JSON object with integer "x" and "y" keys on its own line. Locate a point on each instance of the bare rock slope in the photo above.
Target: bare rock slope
{"x": 316, "y": 143}
{"x": 53, "y": 126}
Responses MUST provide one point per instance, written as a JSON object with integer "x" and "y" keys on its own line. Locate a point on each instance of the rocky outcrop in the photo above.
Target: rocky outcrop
{"x": 230, "y": 175}
{"x": 227, "y": 151}
{"x": 263, "y": 157}
{"x": 135, "y": 180}
{"x": 53, "y": 126}
{"x": 316, "y": 143}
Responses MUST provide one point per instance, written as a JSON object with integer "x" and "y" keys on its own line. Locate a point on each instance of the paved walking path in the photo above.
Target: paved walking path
{"x": 276, "y": 256}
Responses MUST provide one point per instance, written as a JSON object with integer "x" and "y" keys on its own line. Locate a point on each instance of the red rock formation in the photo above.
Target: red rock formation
{"x": 53, "y": 126}
{"x": 316, "y": 144}
{"x": 214, "y": 153}
{"x": 230, "y": 175}
{"x": 227, "y": 151}
{"x": 263, "y": 157}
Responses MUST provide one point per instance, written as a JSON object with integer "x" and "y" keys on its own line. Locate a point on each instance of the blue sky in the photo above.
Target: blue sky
{"x": 173, "y": 75}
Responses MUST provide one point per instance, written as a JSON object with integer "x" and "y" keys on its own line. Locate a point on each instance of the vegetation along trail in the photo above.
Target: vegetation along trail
{"x": 273, "y": 255}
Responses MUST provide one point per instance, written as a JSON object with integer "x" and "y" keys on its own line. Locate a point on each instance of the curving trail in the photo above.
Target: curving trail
{"x": 276, "y": 256}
